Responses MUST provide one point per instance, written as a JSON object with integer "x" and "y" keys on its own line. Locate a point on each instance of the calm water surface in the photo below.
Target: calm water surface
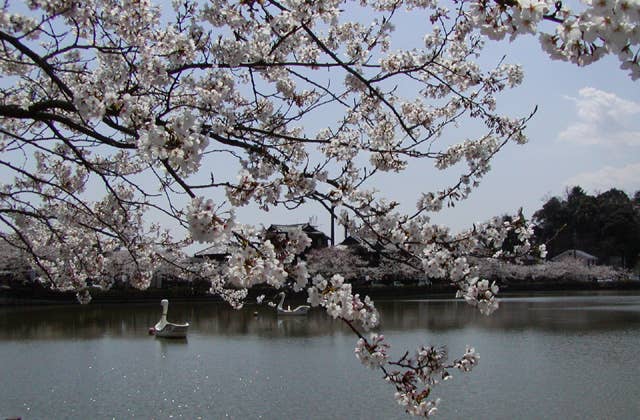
{"x": 556, "y": 357}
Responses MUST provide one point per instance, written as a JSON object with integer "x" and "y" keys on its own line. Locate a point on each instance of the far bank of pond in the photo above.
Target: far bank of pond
{"x": 38, "y": 295}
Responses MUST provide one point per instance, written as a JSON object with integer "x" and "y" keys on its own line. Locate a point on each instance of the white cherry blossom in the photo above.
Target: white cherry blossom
{"x": 117, "y": 111}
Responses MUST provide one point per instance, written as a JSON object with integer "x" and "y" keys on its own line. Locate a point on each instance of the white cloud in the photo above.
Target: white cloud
{"x": 603, "y": 118}
{"x": 626, "y": 178}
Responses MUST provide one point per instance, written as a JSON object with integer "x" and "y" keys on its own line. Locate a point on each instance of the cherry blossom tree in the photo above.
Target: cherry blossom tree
{"x": 116, "y": 112}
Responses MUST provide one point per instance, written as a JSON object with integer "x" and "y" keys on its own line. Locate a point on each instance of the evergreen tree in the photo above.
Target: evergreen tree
{"x": 606, "y": 225}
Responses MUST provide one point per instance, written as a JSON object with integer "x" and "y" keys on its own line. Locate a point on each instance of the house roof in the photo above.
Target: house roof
{"x": 574, "y": 253}
{"x": 356, "y": 240}
{"x": 352, "y": 240}
{"x": 218, "y": 249}
{"x": 306, "y": 227}
{"x": 290, "y": 226}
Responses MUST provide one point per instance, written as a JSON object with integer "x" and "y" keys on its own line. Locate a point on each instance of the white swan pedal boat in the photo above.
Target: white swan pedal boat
{"x": 166, "y": 329}
{"x": 300, "y": 310}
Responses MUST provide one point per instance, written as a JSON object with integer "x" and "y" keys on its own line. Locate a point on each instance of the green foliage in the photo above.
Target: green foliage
{"x": 606, "y": 225}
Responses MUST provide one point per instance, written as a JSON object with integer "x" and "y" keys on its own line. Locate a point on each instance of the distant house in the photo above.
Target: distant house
{"x": 279, "y": 233}
{"x": 360, "y": 247}
{"x": 218, "y": 252}
{"x": 373, "y": 252}
{"x": 354, "y": 242}
{"x": 575, "y": 254}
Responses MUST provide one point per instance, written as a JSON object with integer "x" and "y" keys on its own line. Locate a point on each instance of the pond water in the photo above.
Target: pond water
{"x": 555, "y": 357}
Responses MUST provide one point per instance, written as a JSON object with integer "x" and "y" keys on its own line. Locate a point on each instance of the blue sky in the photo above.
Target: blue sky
{"x": 586, "y": 132}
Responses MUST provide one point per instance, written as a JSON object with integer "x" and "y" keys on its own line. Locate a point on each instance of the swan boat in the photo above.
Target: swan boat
{"x": 300, "y": 310}
{"x": 168, "y": 329}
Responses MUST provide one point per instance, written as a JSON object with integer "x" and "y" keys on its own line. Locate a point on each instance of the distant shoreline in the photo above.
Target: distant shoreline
{"x": 27, "y": 296}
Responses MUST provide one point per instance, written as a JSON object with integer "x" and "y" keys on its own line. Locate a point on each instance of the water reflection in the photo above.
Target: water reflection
{"x": 559, "y": 313}
{"x": 165, "y": 343}
{"x": 215, "y": 319}
{"x": 75, "y": 321}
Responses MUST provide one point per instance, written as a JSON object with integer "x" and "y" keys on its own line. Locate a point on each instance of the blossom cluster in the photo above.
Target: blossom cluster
{"x": 339, "y": 301}
{"x": 468, "y": 361}
{"x": 481, "y": 294}
{"x": 415, "y": 377}
{"x": 205, "y": 225}
{"x": 179, "y": 143}
{"x": 372, "y": 352}
{"x": 255, "y": 265}
{"x": 582, "y": 37}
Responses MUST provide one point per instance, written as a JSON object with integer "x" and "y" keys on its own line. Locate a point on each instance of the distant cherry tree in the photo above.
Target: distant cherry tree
{"x": 363, "y": 267}
{"x": 116, "y": 113}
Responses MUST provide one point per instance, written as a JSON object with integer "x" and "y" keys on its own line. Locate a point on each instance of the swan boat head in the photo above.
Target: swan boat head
{"x": 300, "y": 310}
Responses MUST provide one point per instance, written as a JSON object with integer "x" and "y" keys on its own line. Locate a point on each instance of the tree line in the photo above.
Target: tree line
{"x": 606, "y": 225}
